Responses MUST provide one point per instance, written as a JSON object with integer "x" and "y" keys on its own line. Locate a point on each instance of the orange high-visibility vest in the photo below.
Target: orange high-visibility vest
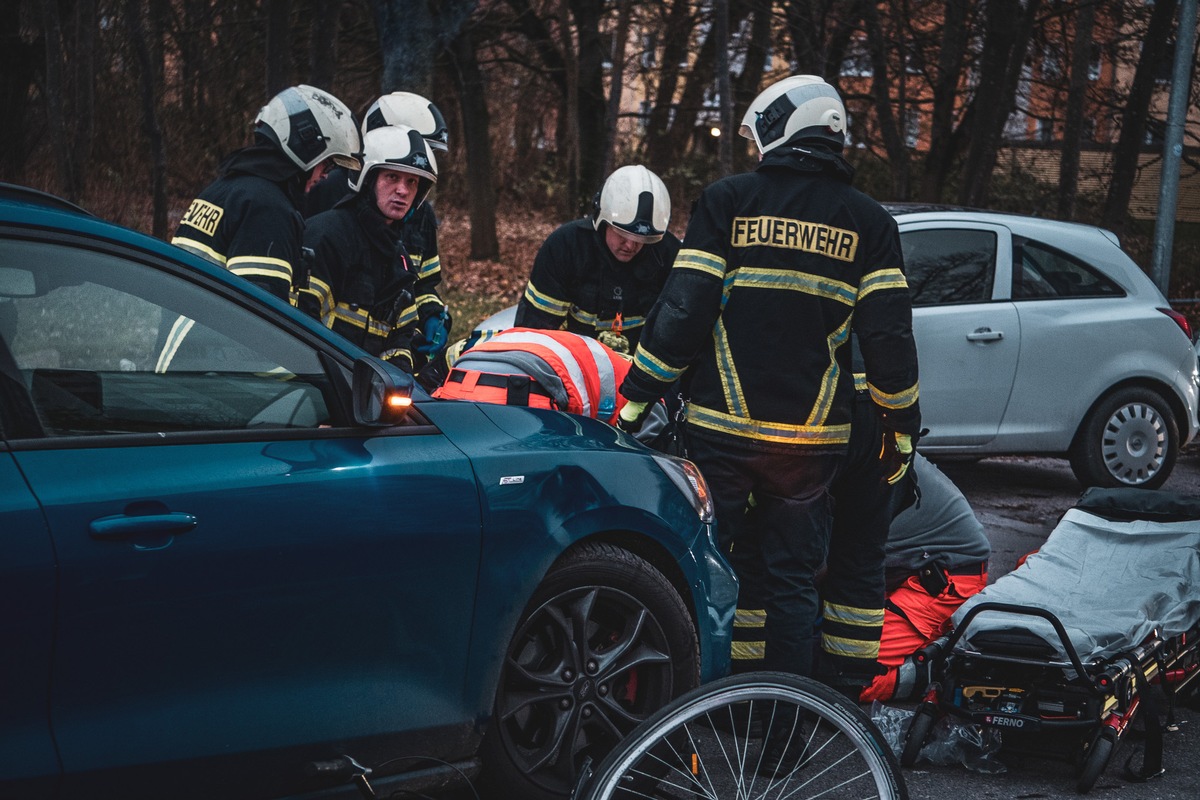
{"x": 589, "y": 371}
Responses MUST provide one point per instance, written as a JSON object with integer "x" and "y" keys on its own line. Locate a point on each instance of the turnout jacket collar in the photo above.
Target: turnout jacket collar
{"x": 264, "y": 160}
{"x": 805, "y": 158}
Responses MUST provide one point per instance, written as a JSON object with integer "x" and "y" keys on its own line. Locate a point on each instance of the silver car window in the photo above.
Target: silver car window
{"x": 949, "y": 265}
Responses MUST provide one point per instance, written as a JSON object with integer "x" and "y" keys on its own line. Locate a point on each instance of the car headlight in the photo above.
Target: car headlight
{"x": 686, "y": 475}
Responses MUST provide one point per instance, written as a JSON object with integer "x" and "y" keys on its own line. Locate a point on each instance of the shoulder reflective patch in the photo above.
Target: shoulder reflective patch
{"x": 794, "y": 234}
{"x": 203, "y": 216}
{"x": 509, "y": 480}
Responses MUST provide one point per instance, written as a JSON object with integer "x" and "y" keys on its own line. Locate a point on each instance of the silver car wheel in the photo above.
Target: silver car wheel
{"x": 1134, "y": 443}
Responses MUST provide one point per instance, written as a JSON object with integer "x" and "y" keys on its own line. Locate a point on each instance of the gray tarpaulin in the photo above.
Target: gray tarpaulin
{"x": 1111, "y": 582}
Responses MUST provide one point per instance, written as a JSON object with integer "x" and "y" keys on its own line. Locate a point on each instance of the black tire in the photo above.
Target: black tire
{"x": 710, "y": 743}
{"x": 1095, "y": 760}
{"x": 918, "y": 732}
{"x": 1129, "y": 438}
{"x": 604, "y": 643}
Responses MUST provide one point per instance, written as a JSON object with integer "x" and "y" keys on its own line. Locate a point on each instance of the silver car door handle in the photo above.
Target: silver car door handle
{"x": 123, "y": 526}
{"x": 985, "y": 335}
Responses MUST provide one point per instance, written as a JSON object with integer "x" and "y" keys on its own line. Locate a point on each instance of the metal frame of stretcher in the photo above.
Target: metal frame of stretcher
{"x": 1017, "y": 683}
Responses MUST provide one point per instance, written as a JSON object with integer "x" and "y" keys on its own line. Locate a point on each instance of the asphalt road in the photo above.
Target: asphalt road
{"x": 1019, "y": 501}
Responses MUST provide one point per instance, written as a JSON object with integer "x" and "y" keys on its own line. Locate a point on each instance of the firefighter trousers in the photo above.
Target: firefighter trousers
{"x": 783, "y": 552}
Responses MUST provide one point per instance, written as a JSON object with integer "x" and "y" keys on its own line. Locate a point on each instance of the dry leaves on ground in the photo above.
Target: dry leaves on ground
{"x": 520, "y": 236}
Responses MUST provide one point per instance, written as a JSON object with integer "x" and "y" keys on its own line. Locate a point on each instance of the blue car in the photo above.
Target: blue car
{"x": 244, "y": 559}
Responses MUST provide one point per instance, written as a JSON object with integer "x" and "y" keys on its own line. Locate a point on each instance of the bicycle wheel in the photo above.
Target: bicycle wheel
{"x": 755, "y": 736}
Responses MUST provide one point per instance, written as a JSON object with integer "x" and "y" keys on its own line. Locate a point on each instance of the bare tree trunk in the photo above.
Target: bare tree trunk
{"x": 568, "y": 121}
{"x": 411, "y": 35}
{"x": 472, "y": 97}
{"x": 616, "y": 85}
{"x": 322, "y": 54}
{"x": 139, "y": 40}
{"x": 940, "y": 159}
{"x": 592, "y": 104}
{"x": 1081, "y": 57}
{"x": 747, "y": 84}
{"x": 84, "y": 64}
{"x": 1007, "y": 40}
{"x": 18, "y": 71}
{"x": 724, "y": 88}
{"x": 890, "y": 123}
{"x": 279, "y": 46}
{"x": 1133, "y": 118}
{"x": 56, "y": 113}
{"x": 660, "y": 149}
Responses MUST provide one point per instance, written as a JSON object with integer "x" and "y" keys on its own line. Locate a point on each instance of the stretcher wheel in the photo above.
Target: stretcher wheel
{"x": 918, "y": 732}
{"x": 1095, "y": 760}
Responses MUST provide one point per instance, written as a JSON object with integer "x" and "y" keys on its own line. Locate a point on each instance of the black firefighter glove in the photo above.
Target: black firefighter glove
{"x": 896, "y": 452}
{"x": 633, "y": 415}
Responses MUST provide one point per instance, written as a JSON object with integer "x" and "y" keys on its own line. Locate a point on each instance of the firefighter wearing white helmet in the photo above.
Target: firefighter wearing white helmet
{"x": 364, "y": 284}
{"x": 778, "y": 267}
{"x": 421, "y": 228}
{"x": 248, "y": 220}
{"x": 600, "y": 276}
{"x": 413, "y": 110}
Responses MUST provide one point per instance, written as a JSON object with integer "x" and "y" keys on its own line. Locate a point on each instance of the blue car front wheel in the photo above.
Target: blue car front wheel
{"x": 605, "y": 642}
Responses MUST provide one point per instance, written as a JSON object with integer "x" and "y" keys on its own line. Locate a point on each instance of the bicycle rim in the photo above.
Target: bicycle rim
{"x": 710, "y": 744}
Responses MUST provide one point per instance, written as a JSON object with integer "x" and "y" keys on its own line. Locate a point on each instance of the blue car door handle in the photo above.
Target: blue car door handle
{"x": 124, "y": 526}
{"x": 985, "y": 335}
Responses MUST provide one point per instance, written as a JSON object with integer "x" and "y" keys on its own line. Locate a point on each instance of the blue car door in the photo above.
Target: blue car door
{"x": 28, "y": 763}
{"x": 248, "y": 582}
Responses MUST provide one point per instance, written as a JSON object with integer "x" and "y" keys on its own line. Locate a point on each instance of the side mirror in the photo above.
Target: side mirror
{"x": 382, "y": 393}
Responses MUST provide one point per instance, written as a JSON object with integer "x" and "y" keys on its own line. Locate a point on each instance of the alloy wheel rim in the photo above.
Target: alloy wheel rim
{"x": 585, "y": 668}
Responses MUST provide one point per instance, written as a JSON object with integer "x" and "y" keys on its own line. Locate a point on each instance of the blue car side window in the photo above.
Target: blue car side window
{"x": 89, "y": 344}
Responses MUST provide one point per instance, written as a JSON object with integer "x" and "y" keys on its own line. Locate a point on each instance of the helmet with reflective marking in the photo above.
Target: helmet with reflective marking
{"x": 634, "y": 201}
{"x": 400, "y": 148}
{"x": 802, "y": 107}
{"x": 310, "y": 125}
{"x": 413, "y": 110}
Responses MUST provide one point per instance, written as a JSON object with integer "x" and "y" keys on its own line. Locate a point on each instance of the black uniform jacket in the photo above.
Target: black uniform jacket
{"x": 362, "y": 280}
{"x": 248, "y": 219}
{"x": 577, "y": 284}
{"x": 418, "y": 232}
{"x": 776, "y": 268}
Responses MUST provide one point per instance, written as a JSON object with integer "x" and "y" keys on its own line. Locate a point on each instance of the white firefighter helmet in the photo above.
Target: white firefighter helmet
{"x": 635, "y": 201}
{"x": 799, "y": 107}
{"x": 413, "y": 110}
{"x": 400, "y": 148}
{"x": 310, "y": 125}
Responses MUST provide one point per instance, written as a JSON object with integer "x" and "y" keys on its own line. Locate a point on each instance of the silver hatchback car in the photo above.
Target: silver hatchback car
{"x": 1040, "y": 337}
{"x": 1044, "y": 337}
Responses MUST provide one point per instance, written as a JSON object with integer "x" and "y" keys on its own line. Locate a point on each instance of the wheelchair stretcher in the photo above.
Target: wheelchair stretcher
{"x": 1098, "y": 628}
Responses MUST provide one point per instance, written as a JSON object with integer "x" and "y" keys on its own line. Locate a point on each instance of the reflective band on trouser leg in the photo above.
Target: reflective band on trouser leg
{"x": 749, "y": 639}
{"x": 852, "y": 635}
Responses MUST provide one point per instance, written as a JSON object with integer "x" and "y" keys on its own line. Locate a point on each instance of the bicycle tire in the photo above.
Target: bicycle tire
{"x": 710, "y": 744}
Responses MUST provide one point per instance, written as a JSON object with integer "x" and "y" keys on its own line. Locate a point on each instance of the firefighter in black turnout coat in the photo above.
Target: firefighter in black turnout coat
{"x": 777, "y": 267}
{"x": 248, "y": 220}
{"x": 420, "y": 229}
{"x": 364, "y": 285}
{"x": 600, "y": 276}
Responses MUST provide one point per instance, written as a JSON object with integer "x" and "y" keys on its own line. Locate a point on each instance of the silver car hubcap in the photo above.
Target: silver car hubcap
{"x": 1134, "y": 444}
